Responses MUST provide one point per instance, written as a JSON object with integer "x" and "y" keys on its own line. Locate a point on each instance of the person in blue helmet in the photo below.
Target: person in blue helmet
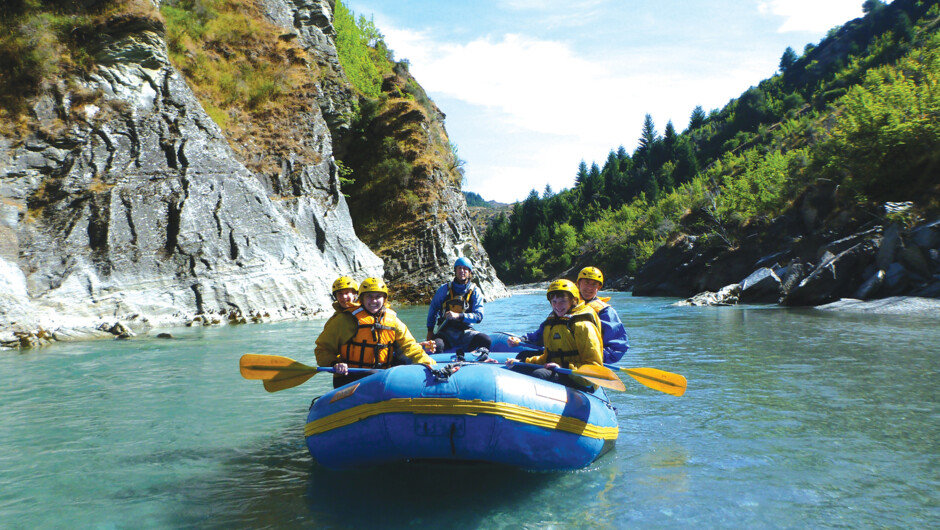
{"x": 455, "y": 308}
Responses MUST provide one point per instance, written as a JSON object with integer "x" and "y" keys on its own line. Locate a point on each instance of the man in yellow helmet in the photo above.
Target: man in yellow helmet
{"x": 616, "y": 343}
{"x": 570, "y": 336}
{"x": 368, "y": 336}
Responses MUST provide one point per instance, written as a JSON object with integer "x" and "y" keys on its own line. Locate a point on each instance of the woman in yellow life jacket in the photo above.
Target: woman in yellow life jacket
{"x": 366, "y": 335}
{"x": 571, "y": 337}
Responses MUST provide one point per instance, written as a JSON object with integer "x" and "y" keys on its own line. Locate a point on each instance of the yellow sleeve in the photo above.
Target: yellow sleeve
{"x": 590, "y": 344}
{"x": 337, "y": 331}
{"x": 538, "y": 359}
{"x": 407, "y": 344}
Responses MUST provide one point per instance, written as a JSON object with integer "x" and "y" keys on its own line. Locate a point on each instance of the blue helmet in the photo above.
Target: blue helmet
{"x": 463, "y": 262}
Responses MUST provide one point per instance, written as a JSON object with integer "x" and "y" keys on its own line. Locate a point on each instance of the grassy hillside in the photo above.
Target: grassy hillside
{"x": 398, "y": 157}
{"x": 43, "y": 44}
{"x": 860, "y": 109}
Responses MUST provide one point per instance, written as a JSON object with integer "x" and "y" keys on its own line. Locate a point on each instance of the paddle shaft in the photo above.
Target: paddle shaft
{"x": 592, "y": 373}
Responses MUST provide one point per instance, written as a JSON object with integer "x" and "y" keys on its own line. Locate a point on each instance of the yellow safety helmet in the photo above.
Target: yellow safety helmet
{"x": 566, "y": 286}
{"x": 345, "y": 282}
{"x": 591, "y": 273}
{"x": 373, "y": 285}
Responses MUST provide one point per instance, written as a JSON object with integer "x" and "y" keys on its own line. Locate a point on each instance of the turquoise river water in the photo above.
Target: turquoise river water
{"x": 792, "y": 419}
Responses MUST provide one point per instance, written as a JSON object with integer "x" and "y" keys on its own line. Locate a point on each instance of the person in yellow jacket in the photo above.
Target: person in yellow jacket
{"x": 570, "y": 336}
{"x": 345, "y": 295}
{"x": 616, "y": 343}
{"x": 368, "y": 336}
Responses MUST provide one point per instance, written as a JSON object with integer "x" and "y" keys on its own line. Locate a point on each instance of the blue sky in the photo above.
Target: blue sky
{"x": 532, "y": 87}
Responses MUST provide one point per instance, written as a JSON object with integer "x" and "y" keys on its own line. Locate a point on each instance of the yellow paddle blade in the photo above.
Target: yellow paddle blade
{"x": 265, "y": 367}
{"x": 600, "y": 376}
{"x": 282, "y": 383}
{"x": 668, "y": 382}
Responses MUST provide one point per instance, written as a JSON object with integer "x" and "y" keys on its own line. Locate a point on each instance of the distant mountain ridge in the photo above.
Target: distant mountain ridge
{"x": 475, "y": 200}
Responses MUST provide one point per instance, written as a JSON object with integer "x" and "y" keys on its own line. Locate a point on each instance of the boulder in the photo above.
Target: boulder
{"x": 727, "y": 295}
{"x": 795, "y": 273}
{"x": 835, "y": 277}
{"x": 915, "y": 262}
{"x": 927, "y": 236}
{"x": 896, "y": 279}
{"x": 929, "y": 290}
{"x": 762, "y": 286}
{"x": 871, "y": 286}
{"x": 888, "y": 249}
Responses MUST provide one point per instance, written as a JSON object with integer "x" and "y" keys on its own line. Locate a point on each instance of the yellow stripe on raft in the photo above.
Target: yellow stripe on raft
{"x": 451, "y": 406}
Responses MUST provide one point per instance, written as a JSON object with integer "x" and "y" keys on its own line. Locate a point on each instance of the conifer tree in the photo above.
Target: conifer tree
{"x": 788, "y": 59}
{"x": 698, "y": 118}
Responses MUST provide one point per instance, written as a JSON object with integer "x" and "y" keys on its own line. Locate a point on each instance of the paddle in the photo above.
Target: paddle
{"x": 598, "y": 375}
{"x": 279, "y": 373}
{"x": 667, "y": 382}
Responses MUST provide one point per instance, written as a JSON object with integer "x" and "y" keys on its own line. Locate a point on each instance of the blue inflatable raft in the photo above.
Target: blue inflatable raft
{"x": 483, "y": 412}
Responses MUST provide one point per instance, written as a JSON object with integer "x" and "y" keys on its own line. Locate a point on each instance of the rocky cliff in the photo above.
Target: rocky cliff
{"x": 125, "y": 202}
{"x": 416, "y": 218}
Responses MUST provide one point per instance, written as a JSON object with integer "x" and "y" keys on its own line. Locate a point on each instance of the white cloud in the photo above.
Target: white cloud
{"x": 811, "y": 15}
{"x": 547, "y": 107}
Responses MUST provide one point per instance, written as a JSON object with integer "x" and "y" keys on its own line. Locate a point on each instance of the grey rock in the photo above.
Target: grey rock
{"x": 888, "y": 249}
{"x": 871, "y": 286}
{"x": 763, "y": 285}
{"x": 896, "y": 305}
{"x": 795, "y": 273}
{"x": 896, "y": 278}
{"x": 915, "y": 261}
{"x": 841, "y": 245}
{"x": 834, "y": 276}
{"x": 927, "y": 236}
{"x": 929, "y": 290}
{"x": 727, "y": 295}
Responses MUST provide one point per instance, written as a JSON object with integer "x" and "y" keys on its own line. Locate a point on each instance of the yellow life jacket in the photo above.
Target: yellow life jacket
{"x": 558, "y": 335}
{"x": 455, "y": 303}
{"x": 598, "y": 304}
{"x": 371, "y": 346}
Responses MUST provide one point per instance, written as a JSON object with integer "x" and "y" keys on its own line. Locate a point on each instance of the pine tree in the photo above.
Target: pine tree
{"x": 698, "y": 118}
{"x": 649, "y": 134}
{"x": 788, "y": 59}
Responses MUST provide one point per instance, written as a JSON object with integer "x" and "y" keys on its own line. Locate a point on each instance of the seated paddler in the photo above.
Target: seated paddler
{"x": 616, "y": 343}
{"x": 455, "y": 308}
{"x": 570, "y": 338}
{"x": 366, "y": 335}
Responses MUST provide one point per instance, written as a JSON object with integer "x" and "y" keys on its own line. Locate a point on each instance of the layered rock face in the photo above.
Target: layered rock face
{"x": 132, "y": 206}
{"x": 419, "y": 267}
